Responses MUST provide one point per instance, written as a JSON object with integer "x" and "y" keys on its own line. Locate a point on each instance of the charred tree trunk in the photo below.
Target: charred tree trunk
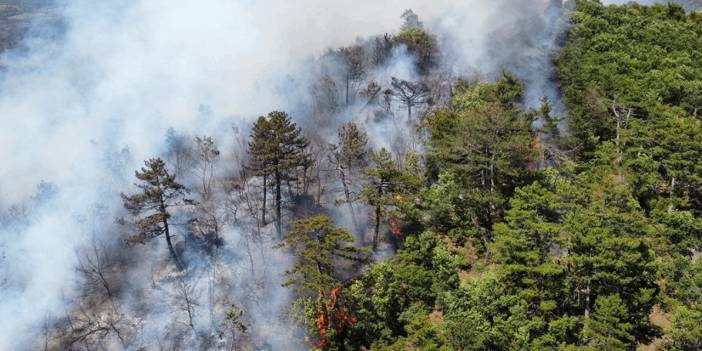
{"x": 265, "y": 193}
{"x": 348, "y": 82}
{"x": 347, "y": 196}
{"x": 171, "y": 249}
{"x": 278, "y": 200}
{"x": 167, "y": 232}
{"x": 377, "y": 227}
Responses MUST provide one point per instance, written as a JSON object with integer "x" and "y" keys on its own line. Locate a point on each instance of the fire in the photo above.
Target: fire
{"x": 535, "y": 155}
{"x": 333, "y": 319}
{"x": 395, "y": 227}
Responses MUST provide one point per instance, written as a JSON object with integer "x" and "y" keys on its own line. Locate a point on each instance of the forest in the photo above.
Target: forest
{"x": 552, "y": 202}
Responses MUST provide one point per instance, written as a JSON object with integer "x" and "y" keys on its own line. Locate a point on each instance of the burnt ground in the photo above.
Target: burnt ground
{"x": 17, "y": 16}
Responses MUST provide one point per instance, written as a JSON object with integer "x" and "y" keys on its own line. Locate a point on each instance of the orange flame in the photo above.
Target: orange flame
{"x": 395, "y": 227}
{"x": 535, "y": 155}
{"x": 333, "y": 316}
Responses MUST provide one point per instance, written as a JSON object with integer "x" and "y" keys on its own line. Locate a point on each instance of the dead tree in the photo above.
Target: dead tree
{"x": 95, "y": 265}
{"x": 186, "y": 300}
{"x": 371, "y": 92}
{"x": 207, "y": 157}
{"x": 236, "y": 325}
{"x": 382, "y": 46}
{"x": 179, "y": 153}
{"x": 90, "y": 327}
{"x": 207, "y": 220}
{"x": 324, "y": 94}
{"x": 354, "y": 60}
{"x": 409, "y": 94}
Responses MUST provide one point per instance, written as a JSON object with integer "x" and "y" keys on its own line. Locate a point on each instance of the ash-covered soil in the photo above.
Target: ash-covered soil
{"x": 17, "y": 16}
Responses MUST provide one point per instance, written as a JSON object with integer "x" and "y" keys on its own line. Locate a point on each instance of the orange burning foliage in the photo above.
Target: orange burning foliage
{"x": 395, "y": 227}
{"x": 333, "y": 317}
{"x": 535, "y": 155}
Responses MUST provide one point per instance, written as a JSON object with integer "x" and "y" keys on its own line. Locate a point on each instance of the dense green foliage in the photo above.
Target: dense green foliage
{"x": 482, "y": 145}
{"x": 620, "y": 57}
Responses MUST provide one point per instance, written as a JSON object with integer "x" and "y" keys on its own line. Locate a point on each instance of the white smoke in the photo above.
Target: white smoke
{"x": 120, "y": 73}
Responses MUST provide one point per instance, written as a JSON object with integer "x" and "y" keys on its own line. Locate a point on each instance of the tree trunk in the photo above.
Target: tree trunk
{"x": 167, "y": 232}
{"x": 188, "y": 304}
{"x": 305, "y": 180}
{"x": 377, "y": 227}
{"x": 348, "y": 81}
{"x": 105, "y": 284}
{"x": 587, "y": 300}
{"x": 174, "y": 255}
{"x": 265, "y": 192}
{"x": 320, "y": 188}
{"x": 278, "y": 219}
{"x": 347, "y": 195}
{"x": 492, "y": 172}
{"x": 619, "y": 125}
{"x": 672, "y": 189}
{"x": 211, "y": 296}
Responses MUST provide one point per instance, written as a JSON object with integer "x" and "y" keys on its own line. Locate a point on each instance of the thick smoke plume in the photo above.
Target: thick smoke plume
{"x": 90, "y": 94}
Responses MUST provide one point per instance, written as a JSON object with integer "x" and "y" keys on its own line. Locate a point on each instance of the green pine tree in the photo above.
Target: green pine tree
{"x": 316, "y": 244}
{"x": 381, "y": 180}
{"x": 259, "y": 151}
{"x": 318, "y": 247}
{"x": 277, "y": 149}
{"x": 686, "y": 331}
{"x": 608, "y": 251}
{"x": 523, "y": 246}
{"x": 608, "y": 328}
{"x": 152, "y": 206}
{"x": 487, "y": 143}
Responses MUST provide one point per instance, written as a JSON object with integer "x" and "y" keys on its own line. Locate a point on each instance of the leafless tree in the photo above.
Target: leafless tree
{"x": 409, "y": 94}
{"x": 245, "y": 194}
{"x": 382, "y": 46}
{"x": 411, "y": 19}
{"x": 325, "y": 96}
{"x": 440, "y": 86}
{"x": 355, "y": 62}
{"x": 92, "y": 326}
{"x": 207, "y": 157}
{"x": 96, "y": 264}
{"x": 46, "y": 331}
{"x": 322, "y": 172}
{"x": 207, "y": 223}
{"x": 185, "y": 300}
{"x": 371, "y": 93}
{"x": 179, "y": 153}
